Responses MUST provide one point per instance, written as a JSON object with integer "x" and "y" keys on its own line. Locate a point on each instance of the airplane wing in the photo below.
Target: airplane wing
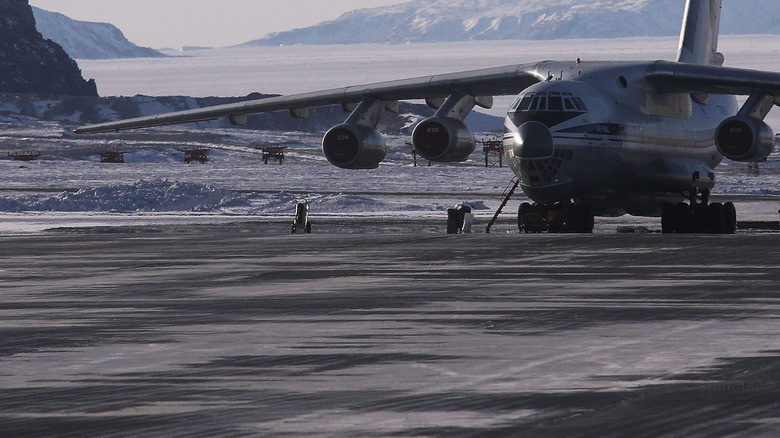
{"x": 484, "y": 82}
{"x": 674, "y": 77}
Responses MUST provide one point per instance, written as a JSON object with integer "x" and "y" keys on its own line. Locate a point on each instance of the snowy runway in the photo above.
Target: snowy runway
{"x": 228, "y": 333}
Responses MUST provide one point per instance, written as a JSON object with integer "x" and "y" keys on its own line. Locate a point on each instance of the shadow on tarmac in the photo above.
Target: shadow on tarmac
{"x": 227, "y": 333}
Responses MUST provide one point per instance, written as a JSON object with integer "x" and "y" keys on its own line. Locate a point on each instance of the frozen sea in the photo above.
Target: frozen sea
{"x": 68, "y": 186}
{"x": 296, "y": 69}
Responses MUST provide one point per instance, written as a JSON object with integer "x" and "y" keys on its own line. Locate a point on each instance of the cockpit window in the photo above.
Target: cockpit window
{"x": 550, "y": 101}
{"x": 525, "y": 103}
{"x": 556, "y": 103}
{"x": 534, "y": 104}
{"x": 548, "y": 107}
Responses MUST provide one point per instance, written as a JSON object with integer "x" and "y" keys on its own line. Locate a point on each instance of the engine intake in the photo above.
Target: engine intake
{"x": 443, "y": 139}
{"x": 745, "y": 139}
{"x": 353, "y": 146}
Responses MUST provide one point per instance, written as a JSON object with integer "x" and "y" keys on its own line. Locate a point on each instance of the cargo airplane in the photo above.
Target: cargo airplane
{"x": 585, "y": 139}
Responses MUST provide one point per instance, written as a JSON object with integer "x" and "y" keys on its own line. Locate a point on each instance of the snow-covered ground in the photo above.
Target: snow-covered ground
{"x": 68, "y": 181}
{"x": 68, "y": 186}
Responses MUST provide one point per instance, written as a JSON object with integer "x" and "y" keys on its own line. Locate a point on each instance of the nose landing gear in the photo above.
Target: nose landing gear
{"x": 700, "y": 216}
{"x": 556, "y": 218}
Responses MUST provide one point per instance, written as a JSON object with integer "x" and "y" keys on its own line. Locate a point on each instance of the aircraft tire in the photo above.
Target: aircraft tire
{"x": 522, "y": 213}
{"x": 573, "y": 221}
{"x": 668, "y": 219}
{"x": 580, "y": 220}
{"x": 588, "y": 220}
{"x": 716, "y": 223}
{"x": 700, "y": 221}
{"x": 556, "y": 215}
{"x": 542, "y": 210}
{"x": 729, "y": 218}
{"x": 683, "y": 218}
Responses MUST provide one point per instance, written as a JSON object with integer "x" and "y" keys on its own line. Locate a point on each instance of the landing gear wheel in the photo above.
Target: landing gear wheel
{"x": 729, "y": 218}
{"x": 579, "y": 220}
{"x": 523, "y": 213}
{"x": 683, "y": 218}
{"x": 557, "y": 216}
{"x": 532, "y": 218}
{"x": 588, "y": 220}
{"x": 715, "y": 220}
{"x": 700, "y": 220}
{"x": 668, "y": 219}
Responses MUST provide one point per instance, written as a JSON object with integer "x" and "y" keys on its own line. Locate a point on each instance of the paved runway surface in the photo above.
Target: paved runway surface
{"x": 228, "y": 333}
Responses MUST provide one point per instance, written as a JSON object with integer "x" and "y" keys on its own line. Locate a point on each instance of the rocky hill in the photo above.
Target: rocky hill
{"x": 85, "y": 40}
{"x": 458, "y": 20}
{"x": 30, "y": 64}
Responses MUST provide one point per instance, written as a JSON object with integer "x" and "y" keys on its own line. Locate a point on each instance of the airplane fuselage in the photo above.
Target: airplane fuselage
{"x": 616, "y": 144}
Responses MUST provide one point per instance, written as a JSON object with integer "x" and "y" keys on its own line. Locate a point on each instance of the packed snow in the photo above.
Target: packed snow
{"x": 155, "y": 196}
{"x": 143, "y": 196}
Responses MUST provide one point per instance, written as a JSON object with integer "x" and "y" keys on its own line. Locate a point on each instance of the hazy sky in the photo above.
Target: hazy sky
{"x": 174, "y": 23}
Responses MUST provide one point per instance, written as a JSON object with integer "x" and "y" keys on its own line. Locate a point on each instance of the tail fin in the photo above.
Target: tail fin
{"x": 699, "y": 36}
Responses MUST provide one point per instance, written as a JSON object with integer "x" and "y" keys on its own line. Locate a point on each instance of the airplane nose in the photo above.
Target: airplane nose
{"x": 534, "y": 141}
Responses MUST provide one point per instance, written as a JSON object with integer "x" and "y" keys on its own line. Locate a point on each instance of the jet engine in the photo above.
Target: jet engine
{"x": 745, "y": 139}
{"x": 443, "y": 139}
{"x": 353, "y": 146}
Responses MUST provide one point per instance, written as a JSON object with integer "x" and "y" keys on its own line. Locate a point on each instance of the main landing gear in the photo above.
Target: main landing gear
{"x": 700, "y": 216}
{"x": 556, "y": 218}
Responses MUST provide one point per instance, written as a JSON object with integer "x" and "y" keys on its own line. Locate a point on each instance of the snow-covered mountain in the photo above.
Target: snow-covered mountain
{"x": 456, "y": 20}
{"x": 85, "y": 40}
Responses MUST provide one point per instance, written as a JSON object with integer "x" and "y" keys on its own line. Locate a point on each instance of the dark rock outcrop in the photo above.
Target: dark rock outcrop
{"x": 30, "y": 64}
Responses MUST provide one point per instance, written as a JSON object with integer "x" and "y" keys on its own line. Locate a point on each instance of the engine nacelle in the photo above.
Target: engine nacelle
{"x": 745, "y": 139}
{"x": 443, "y": 139}
{"x": 353, "y": 146}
